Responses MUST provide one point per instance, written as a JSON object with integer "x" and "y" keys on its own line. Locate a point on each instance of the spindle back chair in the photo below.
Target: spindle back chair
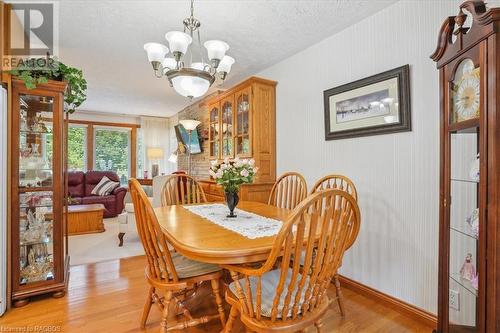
{"x": 294, "y": 296}
{"x": 168, "y": 272}
{"x": 182, "y": 189}
{"x": 338, "y": 182}
{"x": 342, "y": 183}
{"x": 288, "y": 191}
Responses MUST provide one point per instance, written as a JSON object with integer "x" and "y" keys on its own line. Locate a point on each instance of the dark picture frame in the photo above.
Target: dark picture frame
{"x": 357, "y": 111}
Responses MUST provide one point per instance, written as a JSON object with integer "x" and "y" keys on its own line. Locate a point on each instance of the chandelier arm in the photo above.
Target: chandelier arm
{"x": 160, "y": 71}
{"x": 170, "y": 82}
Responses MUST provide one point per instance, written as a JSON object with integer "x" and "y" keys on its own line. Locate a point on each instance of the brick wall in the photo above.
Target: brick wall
{"x": 200, "y": 163}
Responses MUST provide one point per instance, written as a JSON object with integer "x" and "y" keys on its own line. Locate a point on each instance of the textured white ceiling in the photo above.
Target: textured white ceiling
{"x": 105, "y": 39}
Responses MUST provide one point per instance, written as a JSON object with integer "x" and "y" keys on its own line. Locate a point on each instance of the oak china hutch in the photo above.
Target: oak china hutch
{"x": 242, "y": 123}
{"x": 469, "y": 255}
{"x": 38, "y": 242}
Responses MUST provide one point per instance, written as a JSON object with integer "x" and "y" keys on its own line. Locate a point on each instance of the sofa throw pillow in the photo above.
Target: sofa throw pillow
{"x": 105, "y": 186}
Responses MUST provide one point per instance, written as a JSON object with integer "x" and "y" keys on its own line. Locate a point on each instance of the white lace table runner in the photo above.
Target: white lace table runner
{"x": 247, "y": 224}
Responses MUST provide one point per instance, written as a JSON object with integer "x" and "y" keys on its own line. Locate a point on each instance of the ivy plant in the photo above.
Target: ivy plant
{"x": 40, "y": 70}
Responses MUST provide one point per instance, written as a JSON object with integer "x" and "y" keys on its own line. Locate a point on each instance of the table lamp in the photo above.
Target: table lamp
{"x": 190, "y": 125}
{"x": 154, "y": 154}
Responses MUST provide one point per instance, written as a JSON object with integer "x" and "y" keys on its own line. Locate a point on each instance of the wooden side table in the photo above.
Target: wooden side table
{"x": 85, "y": 219}
{"x": 145, "y": 181}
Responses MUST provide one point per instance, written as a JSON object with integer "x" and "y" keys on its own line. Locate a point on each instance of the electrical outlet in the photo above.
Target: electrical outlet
{"x": 454, "y": 299}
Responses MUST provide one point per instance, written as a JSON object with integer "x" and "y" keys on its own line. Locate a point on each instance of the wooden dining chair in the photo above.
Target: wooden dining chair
{"x": 336, "y": 182}
{"x": 294, "y": 296}
{"x": 344, "y": 184}
{"x": 288, "y": 191}
{"x": 180, "y": 189}
{"x": 168, "y": 273}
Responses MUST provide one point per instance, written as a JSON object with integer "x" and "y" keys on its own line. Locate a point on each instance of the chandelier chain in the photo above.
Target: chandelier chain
{"x": 191, "y": 23}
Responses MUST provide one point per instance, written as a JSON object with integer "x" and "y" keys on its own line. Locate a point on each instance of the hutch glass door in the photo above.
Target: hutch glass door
{"x": 226, "y": 128}
{"x": 36, "y": 247}
{"x": 213, "y": 134}
{"x": 242, "y": 137}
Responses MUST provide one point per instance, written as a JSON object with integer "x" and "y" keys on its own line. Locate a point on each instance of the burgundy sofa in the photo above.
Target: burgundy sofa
{"x": 80, "y": 185}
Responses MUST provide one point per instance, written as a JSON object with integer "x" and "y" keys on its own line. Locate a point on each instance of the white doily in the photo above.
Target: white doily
{"x": 247, "y": 224}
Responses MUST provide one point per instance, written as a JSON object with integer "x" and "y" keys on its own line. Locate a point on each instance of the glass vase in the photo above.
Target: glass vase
{"x": 232, "y": 201}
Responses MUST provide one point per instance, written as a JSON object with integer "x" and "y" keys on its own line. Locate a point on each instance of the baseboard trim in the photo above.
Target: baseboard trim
{"x": 396, "y": 304}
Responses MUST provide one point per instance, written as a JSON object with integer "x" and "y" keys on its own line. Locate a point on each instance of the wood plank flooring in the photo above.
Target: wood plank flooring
{"x": 109, "y": 297}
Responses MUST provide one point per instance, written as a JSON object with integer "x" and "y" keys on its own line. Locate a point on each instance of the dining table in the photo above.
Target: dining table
{"x": 200, "y": 239}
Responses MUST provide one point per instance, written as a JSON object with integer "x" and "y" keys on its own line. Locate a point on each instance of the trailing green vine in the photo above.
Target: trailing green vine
{"x": 39, "y": 71}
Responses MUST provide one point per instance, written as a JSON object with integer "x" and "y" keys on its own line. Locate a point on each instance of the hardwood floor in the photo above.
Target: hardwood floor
{"x": 109, "y": 297}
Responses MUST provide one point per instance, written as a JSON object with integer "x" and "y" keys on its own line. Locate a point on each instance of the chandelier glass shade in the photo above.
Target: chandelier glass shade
{"x": 190, "y": 74}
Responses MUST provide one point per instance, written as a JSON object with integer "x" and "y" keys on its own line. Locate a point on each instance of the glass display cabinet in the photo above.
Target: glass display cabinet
{"x": 38, "y": 187}
{"x": 242, "y": 122}
{"x": 469, "y": 240}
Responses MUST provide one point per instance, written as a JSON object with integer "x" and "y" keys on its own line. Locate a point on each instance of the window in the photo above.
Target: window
{"x": 77, "y": 142}
{"x": 104, "y": 146}
{"x": 112, "y": 151}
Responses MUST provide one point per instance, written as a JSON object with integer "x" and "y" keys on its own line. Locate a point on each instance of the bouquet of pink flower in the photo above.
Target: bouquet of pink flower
{"x": 230, "y": 174}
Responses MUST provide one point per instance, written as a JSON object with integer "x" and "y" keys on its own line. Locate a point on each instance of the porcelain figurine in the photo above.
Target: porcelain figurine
{"x": 23, "y": 123}
{"x": 475, "y": 281}
{"x": 468, "y": 271}
{"x": 474, "y": 170}
{"x": 34, "y": 149}
{"x": 473, "y": 221}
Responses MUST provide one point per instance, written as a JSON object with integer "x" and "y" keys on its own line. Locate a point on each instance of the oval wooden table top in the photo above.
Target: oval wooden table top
{"x": 199, "y": 239}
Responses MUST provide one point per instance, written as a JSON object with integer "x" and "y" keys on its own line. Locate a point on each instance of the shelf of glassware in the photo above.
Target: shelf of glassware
{"x": 464, "y": 182}
{"x": 464, "y": 214}
{"x": 35, "y": 237}
{"x": 464, "y": 228}
{"x": 35, "y": 158}
{"x": 463, "y": 279}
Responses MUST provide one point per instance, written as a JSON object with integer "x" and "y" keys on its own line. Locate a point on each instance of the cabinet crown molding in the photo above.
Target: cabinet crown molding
{"x": 448, "y": 49}
{"x": 242, "y": 84}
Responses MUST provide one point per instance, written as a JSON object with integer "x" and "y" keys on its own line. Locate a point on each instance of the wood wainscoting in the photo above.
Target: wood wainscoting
{"x": 398, "y": 305}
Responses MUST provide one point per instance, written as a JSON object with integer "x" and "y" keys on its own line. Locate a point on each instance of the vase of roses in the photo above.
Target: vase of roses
{"x": 231, "y": 174}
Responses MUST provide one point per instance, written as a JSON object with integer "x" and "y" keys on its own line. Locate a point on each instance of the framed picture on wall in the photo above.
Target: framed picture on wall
{"x": 378, "y": 104}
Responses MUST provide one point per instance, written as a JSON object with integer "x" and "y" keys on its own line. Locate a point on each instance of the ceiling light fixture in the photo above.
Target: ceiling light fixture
{"x": 189, "y": 78}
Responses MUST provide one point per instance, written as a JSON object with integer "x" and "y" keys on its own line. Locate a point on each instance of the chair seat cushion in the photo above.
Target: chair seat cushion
{"x": 187, "y": 268}
{"x": 270, "y": 282}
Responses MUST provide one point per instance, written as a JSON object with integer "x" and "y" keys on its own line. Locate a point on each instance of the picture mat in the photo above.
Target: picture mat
{"x": 391, "y": 85}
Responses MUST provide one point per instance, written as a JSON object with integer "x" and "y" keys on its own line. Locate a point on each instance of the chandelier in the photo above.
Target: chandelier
{"x": 188, "y": 77}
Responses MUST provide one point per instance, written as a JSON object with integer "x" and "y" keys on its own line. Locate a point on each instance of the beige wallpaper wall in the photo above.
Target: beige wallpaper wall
{"x": 396, "y": 175}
